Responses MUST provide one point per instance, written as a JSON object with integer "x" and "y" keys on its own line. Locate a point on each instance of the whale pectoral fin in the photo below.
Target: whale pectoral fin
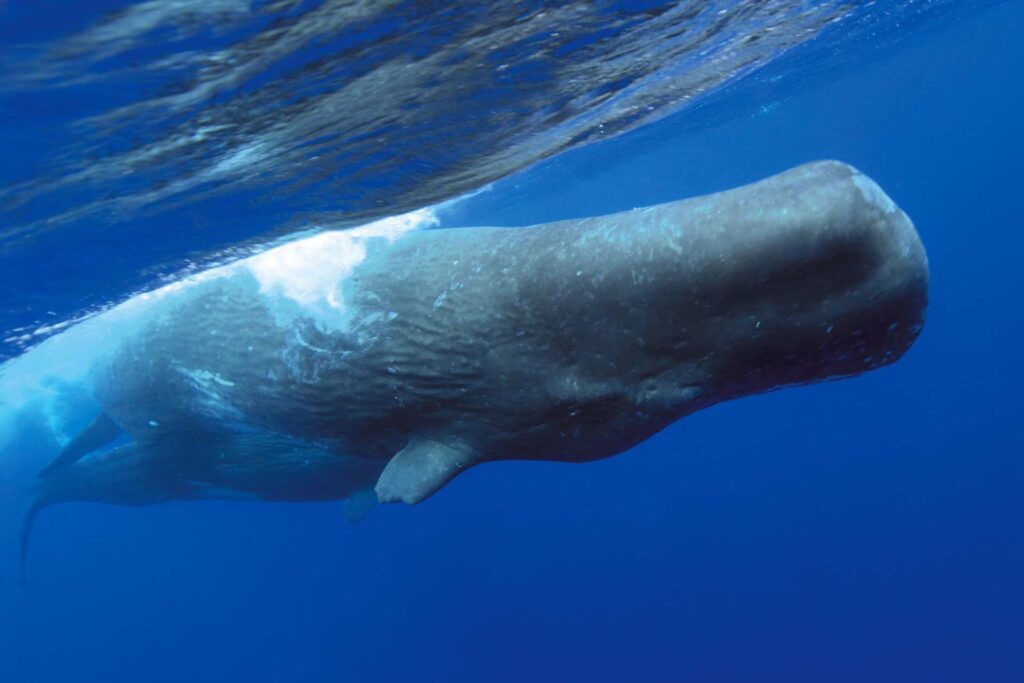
{"x": 421, "y": 468}
{"x": 359, "y": 504}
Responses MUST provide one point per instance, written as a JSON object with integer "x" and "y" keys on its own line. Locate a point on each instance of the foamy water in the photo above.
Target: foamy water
{"x": 306, "y": 275}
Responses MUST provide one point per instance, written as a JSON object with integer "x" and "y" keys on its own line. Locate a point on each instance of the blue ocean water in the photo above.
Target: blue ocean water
{"x": 870, "y": 529}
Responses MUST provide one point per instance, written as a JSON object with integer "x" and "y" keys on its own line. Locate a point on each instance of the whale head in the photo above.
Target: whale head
{"x": 817, "y": 274}
{"x": 809, "y": 275}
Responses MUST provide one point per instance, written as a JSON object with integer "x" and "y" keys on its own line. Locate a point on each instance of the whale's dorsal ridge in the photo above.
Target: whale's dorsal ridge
{"x": 422, "y": 468}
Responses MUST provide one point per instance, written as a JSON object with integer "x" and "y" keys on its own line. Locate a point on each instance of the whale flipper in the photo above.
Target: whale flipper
{"x": 98, "y": 434}
{"x": 359, "y": 504}
{"x": 421, "y": 468}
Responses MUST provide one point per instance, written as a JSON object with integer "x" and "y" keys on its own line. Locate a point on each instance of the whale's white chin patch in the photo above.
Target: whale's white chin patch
{"x": 310, "y": 271}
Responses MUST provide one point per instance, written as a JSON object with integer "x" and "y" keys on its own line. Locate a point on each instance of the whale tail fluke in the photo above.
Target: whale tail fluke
{"x": 28, "y": 522}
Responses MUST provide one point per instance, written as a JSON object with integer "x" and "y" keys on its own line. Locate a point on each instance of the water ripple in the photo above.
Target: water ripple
{"x": 247, "y": 118}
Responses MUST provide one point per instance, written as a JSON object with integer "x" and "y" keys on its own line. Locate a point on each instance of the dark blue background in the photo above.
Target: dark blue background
{"x": 867, "y": 530}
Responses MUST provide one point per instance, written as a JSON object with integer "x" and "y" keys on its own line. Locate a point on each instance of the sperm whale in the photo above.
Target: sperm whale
{"x": 447, "y": 348}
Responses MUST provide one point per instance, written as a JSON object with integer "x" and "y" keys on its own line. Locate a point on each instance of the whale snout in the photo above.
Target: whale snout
{"x": 874, "y": 317}
{"x": 829, "y": 279}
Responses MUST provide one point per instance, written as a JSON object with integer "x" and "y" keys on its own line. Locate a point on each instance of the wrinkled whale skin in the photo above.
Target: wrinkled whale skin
{"x": 566, "y": 341}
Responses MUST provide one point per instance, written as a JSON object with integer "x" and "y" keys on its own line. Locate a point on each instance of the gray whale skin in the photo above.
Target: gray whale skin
{"x": 567, "y": 341}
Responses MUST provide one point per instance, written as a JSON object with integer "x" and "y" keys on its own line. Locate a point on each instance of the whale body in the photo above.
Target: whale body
{"x": 447, "y": 348}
